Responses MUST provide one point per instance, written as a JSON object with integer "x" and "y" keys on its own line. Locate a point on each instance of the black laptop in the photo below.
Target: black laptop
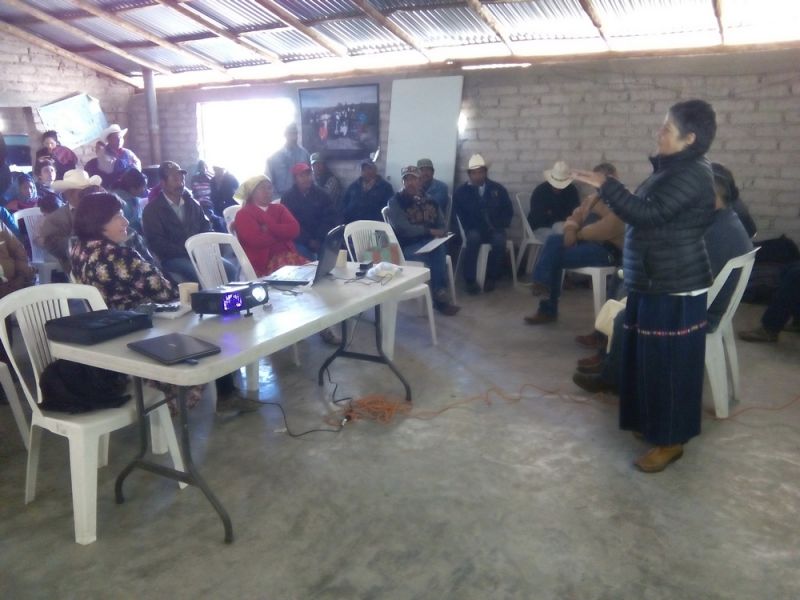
{"x": 311, "y": 273}
{"x": 174, "y": 348}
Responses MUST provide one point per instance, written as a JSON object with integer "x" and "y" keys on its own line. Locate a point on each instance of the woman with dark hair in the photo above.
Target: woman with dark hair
{"x": 101, "y": 258}
{"x": 64, "y": 158}
{"x": 667, "y": 274}
{"x": 724, "y": 177}
{"x": 131, "y": 188}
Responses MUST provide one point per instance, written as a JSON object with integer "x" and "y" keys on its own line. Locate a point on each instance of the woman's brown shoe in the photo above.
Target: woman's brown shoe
{"x": 657, "y": 459}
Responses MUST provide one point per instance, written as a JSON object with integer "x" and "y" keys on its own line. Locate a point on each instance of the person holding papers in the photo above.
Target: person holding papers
{"x": 416, "y": 220}
{"x": 485, "y": 212}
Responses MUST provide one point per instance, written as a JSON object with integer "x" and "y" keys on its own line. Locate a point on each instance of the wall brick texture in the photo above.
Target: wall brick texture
{"x": 33, "y": 77}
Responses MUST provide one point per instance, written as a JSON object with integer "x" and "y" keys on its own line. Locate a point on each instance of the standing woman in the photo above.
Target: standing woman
{"x": 264, "y": 229}
{"x": 667, "y": 272}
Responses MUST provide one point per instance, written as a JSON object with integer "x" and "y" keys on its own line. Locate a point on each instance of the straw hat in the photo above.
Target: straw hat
{"x": 113, "y": 129}
{"x": 76, "y": 179}
{"x": 476, "y": 161}
{"x": 559, "y": 176}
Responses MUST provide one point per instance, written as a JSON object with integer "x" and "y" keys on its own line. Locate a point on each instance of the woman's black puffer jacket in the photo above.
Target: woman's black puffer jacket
{"x": 666, "y": 217}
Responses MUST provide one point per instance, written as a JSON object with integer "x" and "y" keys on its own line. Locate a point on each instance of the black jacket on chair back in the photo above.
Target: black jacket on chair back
{"x": 666, "y": 218}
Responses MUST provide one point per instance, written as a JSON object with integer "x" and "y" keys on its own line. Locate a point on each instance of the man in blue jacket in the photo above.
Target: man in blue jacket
{"x": 485, "y": 212}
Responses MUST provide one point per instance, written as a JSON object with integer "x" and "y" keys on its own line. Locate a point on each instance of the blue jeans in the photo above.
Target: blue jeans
{"x": 786, "y": 302}
{"x": 435, "y": 260}
{"x": 304, "y": 250}
{"x": 184, "y": 269}
{"x": 475, "y": 238}
{"x": 554, "y": 258}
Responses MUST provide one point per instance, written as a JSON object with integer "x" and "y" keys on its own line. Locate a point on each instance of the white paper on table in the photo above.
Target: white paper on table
{"x": 434, "y": 243}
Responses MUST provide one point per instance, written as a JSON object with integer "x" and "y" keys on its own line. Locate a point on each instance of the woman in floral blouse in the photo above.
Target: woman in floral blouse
{"x": 101, "y": 259}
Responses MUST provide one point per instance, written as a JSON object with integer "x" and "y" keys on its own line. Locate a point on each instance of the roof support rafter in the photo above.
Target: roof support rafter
{"x": 80, "y": 33}
{"x": 490, "y": 20}
{"x": 288, "y": 18}
{"x": 380, "y": 19}
{"x": 588, "y": 8}
{"x": 128, "y": 26}
{"x": 89, "y": 64}
{"x": 718, "y": 12}
{"x": 213, "y": 26}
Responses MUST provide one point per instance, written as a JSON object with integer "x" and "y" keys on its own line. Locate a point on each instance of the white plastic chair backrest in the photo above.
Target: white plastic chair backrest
{"x": 33, "y": 307}
{"x": 206, "y": 255}
{"x": 229, "y": 215}
{"x": 33, "y": 218}
{"x": 461, "y": 232}
{"x": 743, "y": 262}
{"x": 360, "y": 236}
{"x": 385, "y": 214}
{"x": 527, "y": 232}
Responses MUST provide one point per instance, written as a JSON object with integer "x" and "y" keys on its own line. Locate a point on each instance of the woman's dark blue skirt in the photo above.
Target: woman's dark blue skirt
{"x": 663, "y": 362}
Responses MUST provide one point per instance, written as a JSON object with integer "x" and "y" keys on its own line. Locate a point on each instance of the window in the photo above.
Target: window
{"x": 241, "y": 134}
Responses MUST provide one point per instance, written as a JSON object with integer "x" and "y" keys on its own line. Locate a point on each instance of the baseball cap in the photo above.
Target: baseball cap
{"x": 167, "y": 167}
{"x": 300, "y": 168}
{"x": 423, "y": 163}
{"x": 409, "y": 170}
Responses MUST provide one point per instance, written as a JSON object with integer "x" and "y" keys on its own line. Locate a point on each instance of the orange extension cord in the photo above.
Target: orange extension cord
{"x": 384, "y": 409}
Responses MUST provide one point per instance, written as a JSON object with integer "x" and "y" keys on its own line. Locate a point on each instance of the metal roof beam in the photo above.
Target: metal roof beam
{"x": 493, "y": 24}
{"x": 588, "y": 8}
{"x": 148, "y": 35}
{"x": 384, "y": 22}
{"x": 80, "y": 33}
{"x": 218, "y": 30}
{"x": 50, "y": 47}
{"x": 288, "y": 18}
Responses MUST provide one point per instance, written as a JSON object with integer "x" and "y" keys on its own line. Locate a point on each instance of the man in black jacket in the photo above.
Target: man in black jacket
{"x": 367, "y": 195}
{"x": 313, "y": 209}
{"x": 485, "y": 211}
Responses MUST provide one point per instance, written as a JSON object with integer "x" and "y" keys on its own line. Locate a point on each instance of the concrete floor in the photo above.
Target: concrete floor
{"x": 528, "y": 499}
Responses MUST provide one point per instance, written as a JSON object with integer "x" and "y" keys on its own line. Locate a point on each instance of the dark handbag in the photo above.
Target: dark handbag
{"x": 96, "y": 326}
{"x": 75, "y": 388}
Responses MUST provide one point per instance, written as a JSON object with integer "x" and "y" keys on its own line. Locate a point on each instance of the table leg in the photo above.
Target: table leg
{"x": 380, "y": 358}
{"x": 190, "y": 476}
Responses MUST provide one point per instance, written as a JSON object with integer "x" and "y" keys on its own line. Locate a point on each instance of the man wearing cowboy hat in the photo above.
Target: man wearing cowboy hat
{"x": 57, "y": 226}
{"x": 485, "y": 212}
{"x": 279, "y": 165}
{"x": 367, "y": 195}
{"x": 552, "y": 201}
{"x": 112, "y": 159}
{"x": 416, "y": 220}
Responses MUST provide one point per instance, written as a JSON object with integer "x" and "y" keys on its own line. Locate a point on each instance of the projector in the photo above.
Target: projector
{"x": 231, "y": 298}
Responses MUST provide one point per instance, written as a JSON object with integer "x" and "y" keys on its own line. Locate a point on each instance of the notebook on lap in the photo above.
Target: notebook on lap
{"x": 174, "y": 348}
{"x": 311, "y": 273}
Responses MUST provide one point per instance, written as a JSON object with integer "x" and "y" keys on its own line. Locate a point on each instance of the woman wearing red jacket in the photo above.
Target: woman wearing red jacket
{"x": 264, "y": 229}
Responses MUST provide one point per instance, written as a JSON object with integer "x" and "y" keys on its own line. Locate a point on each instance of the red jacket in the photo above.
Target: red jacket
{"x": 264, "y": 233}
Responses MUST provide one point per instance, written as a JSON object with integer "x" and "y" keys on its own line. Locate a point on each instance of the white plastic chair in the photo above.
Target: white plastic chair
{"x": 44, "y": 262}
{"x": 721, "y": 343}
{"x": 206, "y": 255}
{"x": 229, "y": 215}
{"x": 12, "y": 396}
{"x": 360, "y": 236}
{"x": 529, "y": 239}
{"x": 599, "y": 277}
{"x": 88, "y": 433}
{"x": 451, "y": 279}
{"x": 483, "y": 257}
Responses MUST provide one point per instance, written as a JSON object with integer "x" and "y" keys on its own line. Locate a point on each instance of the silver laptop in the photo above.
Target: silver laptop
{"x": 312, "y": 272}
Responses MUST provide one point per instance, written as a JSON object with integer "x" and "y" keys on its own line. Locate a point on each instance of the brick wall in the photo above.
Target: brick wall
{"x": 31, "y": 76}
{"x": 523, "y": 120}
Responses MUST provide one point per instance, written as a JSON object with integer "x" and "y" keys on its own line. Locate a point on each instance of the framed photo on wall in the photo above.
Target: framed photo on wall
{"x": 341, "y": 122}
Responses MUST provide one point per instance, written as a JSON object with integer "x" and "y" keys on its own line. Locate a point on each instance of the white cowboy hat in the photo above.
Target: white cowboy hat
{"x": 113, "y": 129}
{"x": 76, "y": 179}
{"x": 476, "y": 162}
{"x": 559, "y": 176}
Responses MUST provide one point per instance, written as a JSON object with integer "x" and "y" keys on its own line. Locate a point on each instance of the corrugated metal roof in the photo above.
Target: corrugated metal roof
{"x": 240, "y": 15}
{"x": 222, "y": 50}
{"x": 445, "y": 26}
{"x": 362, "y": 36}
{"x": 163, "y": 21}
{"x": 114, "y": 61}
{"x": 319, "y": 9}
{"x": 289, "y": 44}
{"x": 545, "y": 19}
{"x": 443, "y": 29}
